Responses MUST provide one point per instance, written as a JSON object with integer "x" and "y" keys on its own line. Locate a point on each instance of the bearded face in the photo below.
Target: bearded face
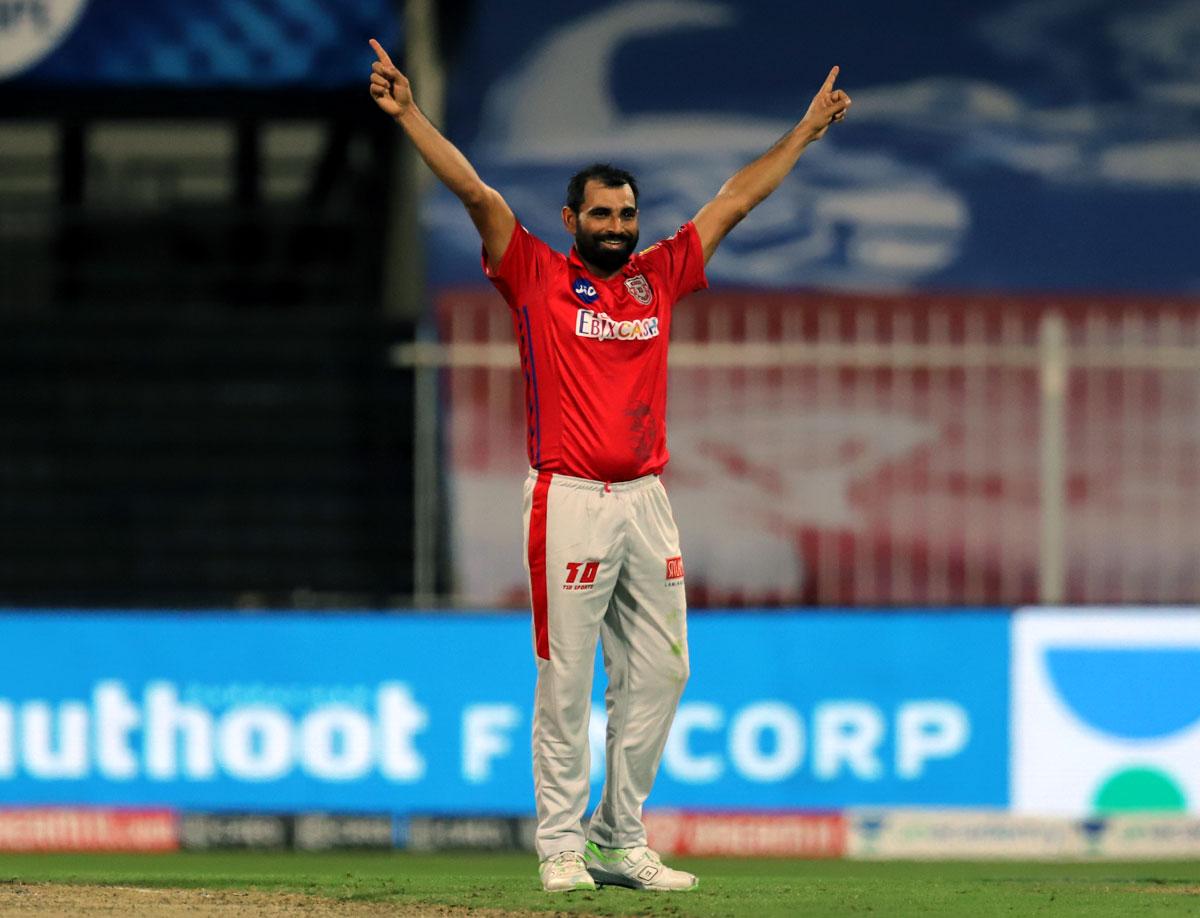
{"x": 607, "y": 250}
{"x": 606, "y": 226}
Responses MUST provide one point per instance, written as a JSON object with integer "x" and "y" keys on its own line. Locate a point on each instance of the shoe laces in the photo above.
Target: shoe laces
{"x": 567, "y": 862}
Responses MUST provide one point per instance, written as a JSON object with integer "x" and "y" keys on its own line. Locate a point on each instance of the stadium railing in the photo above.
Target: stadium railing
{"x": 868, "y": 450}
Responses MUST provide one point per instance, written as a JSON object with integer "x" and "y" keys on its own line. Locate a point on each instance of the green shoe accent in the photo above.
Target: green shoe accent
{"x": 618, "y": 854}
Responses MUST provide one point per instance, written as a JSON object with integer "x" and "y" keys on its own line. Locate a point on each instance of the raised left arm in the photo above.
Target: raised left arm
{"x": 746, "y": 189}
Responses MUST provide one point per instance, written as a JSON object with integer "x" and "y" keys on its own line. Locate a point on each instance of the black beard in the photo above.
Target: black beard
{"x": 606, "y": 259}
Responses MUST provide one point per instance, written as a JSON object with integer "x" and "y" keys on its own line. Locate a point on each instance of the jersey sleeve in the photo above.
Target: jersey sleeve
{"x": 679, "y": 261}
{"x": 521, "y": 269}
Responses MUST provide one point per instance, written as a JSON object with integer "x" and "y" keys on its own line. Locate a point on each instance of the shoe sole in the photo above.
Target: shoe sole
{"x": 609, "y": 879}
{"x": 578, "y": 887}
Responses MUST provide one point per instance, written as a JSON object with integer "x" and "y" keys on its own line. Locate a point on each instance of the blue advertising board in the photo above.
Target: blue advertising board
{"x": 837, "y": 709}
{"x": 423, "y": 713}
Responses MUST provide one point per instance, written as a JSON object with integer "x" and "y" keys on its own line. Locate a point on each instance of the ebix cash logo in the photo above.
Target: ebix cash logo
{"x": 600, "y": 325}
{"x": 1106, "y": 712}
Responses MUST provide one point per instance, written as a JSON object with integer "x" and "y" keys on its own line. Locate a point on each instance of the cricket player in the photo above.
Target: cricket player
{"x": 601, "y": 546}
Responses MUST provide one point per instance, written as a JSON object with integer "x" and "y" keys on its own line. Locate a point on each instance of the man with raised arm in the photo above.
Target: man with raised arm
{"x": 601, "y": 546}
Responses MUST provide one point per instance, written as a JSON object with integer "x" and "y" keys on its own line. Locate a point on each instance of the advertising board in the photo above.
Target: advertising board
{"x": 1106, "y": 711}
{"x": 706, "y": 834}
{"x": 431, "y": 714}
{"x": 993, "y": 834}
{"x": 88, "y": 829}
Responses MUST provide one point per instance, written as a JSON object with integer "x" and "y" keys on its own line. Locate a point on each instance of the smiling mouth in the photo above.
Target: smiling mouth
{"x": 613, "y": 243}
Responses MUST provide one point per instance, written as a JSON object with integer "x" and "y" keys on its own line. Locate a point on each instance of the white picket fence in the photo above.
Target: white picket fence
{"x": 832, "y": 450}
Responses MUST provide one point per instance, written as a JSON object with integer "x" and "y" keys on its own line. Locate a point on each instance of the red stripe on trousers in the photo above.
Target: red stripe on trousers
{"x": 537, "y": 565}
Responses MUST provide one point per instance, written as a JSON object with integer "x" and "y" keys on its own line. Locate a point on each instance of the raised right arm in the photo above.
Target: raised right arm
{"x": 490, "y": 213}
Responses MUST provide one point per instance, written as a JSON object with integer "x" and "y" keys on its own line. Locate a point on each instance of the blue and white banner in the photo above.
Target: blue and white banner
{"x": 249, "y": 44}
{"x": 421, "y": 713}
{"x": 998, "y": 145}
{"x": 1106, "y": 711}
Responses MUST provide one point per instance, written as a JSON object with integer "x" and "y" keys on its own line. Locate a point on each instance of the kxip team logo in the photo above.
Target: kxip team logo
{"x": 1106, "y": 712}
{"x": 639, "y": 289}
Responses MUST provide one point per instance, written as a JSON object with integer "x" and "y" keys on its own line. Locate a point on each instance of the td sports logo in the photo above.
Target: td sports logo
{"x": 1106, "y": 712}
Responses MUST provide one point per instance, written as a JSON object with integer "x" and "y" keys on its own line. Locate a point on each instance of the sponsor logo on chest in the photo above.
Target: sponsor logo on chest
{"x": 600, "y": 325}
{"x": 639, "y": 288}
{"x": 585, "y": 290}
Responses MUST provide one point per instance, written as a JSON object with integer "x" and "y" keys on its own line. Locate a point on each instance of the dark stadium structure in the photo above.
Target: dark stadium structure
{"x": 196, "y": 407}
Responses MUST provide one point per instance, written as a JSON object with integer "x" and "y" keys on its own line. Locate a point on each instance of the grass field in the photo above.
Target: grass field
{"x": 410, "y": 884}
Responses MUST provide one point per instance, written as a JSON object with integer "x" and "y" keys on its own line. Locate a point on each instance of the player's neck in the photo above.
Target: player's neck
{"x": 596, "y": 272}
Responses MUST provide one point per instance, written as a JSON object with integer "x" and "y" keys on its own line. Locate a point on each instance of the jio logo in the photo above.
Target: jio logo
{"x": 1136, "y": 695}
{"x": 585, "y": 290}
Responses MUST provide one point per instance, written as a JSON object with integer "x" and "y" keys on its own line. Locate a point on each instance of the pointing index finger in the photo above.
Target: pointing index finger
{"x": 828, "y": 85}
{"x": 381, "y": 54}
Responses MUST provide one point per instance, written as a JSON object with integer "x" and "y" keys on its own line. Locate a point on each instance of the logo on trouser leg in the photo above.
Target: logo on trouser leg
{"x": 675, "y": 568}
{"x": 581, "y": 575}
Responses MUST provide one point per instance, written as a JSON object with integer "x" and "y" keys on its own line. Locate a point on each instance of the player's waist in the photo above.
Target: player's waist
{"x": 587, "y": 484}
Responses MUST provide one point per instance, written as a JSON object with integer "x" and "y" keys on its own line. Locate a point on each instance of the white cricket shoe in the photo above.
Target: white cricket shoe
{"x": 564, "y": 872}
{"x": 637, "y": 868}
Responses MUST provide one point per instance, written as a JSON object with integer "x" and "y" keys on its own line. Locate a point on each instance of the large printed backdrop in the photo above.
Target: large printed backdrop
{"x": 898, "y": 480}
{"x": 1008, "y": 144}
{"x": 1033, "y": 150}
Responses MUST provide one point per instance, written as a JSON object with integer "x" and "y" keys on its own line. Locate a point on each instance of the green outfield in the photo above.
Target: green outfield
{"x": 460, "y": 883}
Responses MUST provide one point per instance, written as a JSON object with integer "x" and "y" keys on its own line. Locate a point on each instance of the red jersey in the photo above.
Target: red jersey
{"x": 594, "y": 352}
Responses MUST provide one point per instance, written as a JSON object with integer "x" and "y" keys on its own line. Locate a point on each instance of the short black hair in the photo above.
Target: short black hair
{"x": 608, "y": 175}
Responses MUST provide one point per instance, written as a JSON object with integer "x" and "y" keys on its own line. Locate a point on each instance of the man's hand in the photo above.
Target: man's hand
{"x": 488, "y": 210}
{"x": 746, "y": 189}
{"x": 828, "y": 105}
{"x": 389, "y": 87}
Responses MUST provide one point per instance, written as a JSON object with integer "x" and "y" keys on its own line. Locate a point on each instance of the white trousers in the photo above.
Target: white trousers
{"x": 604, "y": 563}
